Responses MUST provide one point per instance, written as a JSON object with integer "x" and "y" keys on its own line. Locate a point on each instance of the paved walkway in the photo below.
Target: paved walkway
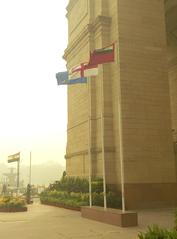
{"x": 47, "y": 222}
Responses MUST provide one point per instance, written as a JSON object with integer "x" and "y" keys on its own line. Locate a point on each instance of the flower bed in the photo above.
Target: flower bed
{"x": 12, "y": 204}
{"x": 24, "y": 209}
{"x": 72, "y": 193}
{"x": 76, "y": 200}
{"x": 63, "y": 199}
{"x": 62, "y": 205}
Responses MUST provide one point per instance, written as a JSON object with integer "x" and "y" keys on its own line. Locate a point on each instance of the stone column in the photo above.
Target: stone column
{"x": 171, "y": 28}
{"x": 149, "y": 164}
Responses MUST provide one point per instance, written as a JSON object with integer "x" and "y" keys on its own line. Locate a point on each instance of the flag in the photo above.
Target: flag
{"x": 77, "y": 74}
{"x": 64, "y": 78}
{"x": 14, "y": 158}
{"x": 90, "y": 70}
{"x": 103, "y": 55}
{"x": 84, "y": 70}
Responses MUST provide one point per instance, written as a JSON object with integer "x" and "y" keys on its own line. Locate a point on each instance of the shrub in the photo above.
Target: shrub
{"x": 76, "y": 184}
{"x": 74, "y": 191}
{"x": 176, "y": 219}
{"x": 80, "y": 199}
{"x": 11, "y": 202}
{"x": 114, "y": 200}
{"x": 70, "y": 184}
{"x": 155, "y": 232}
{"x": 97, "y": 186}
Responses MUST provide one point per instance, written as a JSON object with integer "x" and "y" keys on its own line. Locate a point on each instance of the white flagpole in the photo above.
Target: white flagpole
{"x": 102, "y": 144}
{"x": 103, "y": 160}
{"x": 30, "y": 170}
{"x": 120, "y": 134}
{"x": 89, "y": 143}
{"x": 18, "y": 174}
{"x": 121, "y": 161}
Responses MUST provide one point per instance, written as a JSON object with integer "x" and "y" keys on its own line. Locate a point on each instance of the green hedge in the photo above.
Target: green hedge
{"x": 76, "y": 184}
{"x": 80, "y": 199}
{"x": 73, "y": 191}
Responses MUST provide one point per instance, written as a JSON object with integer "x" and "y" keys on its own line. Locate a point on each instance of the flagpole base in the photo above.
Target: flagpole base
{"x": 111, "y": 216}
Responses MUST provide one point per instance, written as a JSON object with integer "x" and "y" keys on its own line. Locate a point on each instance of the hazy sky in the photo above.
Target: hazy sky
{"x": 33, "y": 113}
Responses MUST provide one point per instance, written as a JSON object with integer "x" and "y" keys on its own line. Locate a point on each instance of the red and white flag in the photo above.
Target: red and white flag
{"x": 83, "y": 70}
{"x": 103, "y": 55}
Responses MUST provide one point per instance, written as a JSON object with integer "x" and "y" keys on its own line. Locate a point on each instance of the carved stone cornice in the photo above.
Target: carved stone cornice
{"x": 105, "y": 116}
{"x": 101, "y": 24}
{"x": 83, "y": 36}
{"x": 93, "y": 151}
{"x": 71, "y": 5}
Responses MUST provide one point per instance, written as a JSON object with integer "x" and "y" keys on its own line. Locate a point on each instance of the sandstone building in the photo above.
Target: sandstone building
{"x": 131, "y": 106}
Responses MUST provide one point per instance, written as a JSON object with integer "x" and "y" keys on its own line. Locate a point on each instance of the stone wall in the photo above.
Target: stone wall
{"x": 128, "y": 104}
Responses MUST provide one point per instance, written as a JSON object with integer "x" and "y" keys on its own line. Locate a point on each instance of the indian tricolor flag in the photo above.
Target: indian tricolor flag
{"x": 14, "y": 158}
{"x": 103, "y": 55}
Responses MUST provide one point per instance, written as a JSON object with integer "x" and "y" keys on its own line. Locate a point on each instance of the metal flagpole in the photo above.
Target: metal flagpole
{"x": 120, "y": 136}
{"x": 18, "y": 175}
{"x": 29, "y": 185}
{"x": 120, "y": 121}
{"x": 30, "y": 170}
{"x": 102, "y": 144}
{"x": 121, "y": 159}
{"x": 89, "y": 143}
{"x": 103, "y": 160}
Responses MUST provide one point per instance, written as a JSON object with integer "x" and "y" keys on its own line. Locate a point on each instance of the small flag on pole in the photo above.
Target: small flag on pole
{"x": 85, "y": 70}
{"x": 90, "y": 70}
{"x": 77, "y": 74}
{"x": 14, "y": 158}
{"x": 63, "y": 79}
{"x": 103, "y": 55}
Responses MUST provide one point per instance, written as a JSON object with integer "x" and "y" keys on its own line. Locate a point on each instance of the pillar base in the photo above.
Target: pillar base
{"x": 150, "y": 195}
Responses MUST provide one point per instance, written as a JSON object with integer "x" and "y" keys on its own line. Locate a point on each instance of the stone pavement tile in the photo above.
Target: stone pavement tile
{"x": 46, "y": 222}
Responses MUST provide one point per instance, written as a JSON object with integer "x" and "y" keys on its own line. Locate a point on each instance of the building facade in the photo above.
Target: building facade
{"x": 128, "y": 113}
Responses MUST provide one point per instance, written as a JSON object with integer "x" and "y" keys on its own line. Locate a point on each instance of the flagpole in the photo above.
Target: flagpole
{"x": 18, "y": 175}
{"x": 102, "y": 144}
{"x": 95, "y": 60}
{"x": 103, "y": 160}
{"x": 89, "y": 143}
{"x": 121, "y": 161}
{"x": 30, "y": 170}
{"x": 120, "y": 137}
